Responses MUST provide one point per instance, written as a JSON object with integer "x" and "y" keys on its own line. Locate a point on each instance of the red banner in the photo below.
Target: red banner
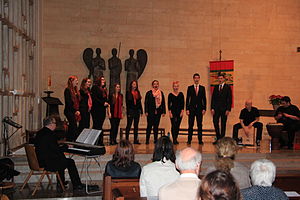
{"x": 226, "y": 67}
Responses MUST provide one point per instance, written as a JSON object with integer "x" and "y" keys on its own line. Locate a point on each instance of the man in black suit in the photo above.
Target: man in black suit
{"x": 51, "y": 156}
{"x": 195, "y": 107}
{"x": 221, "y": 105}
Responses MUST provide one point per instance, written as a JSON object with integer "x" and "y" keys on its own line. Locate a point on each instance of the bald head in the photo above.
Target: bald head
{"x": 188, "y": 160}
{"x": 248, "y": 104}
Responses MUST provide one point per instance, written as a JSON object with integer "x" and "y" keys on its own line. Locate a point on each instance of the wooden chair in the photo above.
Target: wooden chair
{"x": 120, "y": 189}
{"x": 35, "y": 169}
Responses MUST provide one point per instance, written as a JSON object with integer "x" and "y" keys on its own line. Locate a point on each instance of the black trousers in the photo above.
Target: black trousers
{"x": 98, "y": 120}
{"x": 216, "y": 119}
{"x": 238, "y": 126}
{"x": 152, "y": 121}
{"x": 73, "y": 172}
{"x": 291, "y": 129}
{"x": 114, "y": 128}
{"x": 175, "y": 125}
{"x": 199, "y": 118}
{"x": 84, "y": 122}
{"x": 135, "y": 118}
{"x": 72, "y": 133}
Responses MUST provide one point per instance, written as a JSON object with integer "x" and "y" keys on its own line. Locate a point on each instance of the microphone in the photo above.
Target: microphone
{"x": 9, "y": 121}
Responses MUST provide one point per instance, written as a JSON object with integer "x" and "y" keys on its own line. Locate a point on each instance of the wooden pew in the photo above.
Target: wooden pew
{"x": 119, "y": 189}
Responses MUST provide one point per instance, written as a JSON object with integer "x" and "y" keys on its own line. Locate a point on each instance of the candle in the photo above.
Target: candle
{"x": 49, "y": 82}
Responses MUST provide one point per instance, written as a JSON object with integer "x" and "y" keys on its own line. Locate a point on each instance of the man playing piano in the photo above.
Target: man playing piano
{"x": 51, "y": 156}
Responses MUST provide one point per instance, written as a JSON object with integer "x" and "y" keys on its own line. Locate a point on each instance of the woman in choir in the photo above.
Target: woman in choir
{"x": 71, "y": 111}
{"x": 155, "y": 107}
{"x": 176, "y": 110}
{"x": 134, "y": 109}
{"x": 116, "y": 105}
{"x": 100, "y": 103}
{"x": 85, "y": 104}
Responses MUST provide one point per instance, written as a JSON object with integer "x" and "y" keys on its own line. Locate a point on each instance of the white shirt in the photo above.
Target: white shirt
{"x": 155, "y": 175}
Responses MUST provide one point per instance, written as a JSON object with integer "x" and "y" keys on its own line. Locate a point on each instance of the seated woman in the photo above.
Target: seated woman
{"x": 219, "y": 185}
{"x": 262, "y": 173}
{"x": 122, "y": 164}
{"x": 226, "y": 148}
{"x": 161, "y": 171}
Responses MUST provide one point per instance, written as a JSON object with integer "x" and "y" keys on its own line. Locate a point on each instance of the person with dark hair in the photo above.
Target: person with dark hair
{"x": 100, "y": 103}
{"x": 51, "y": 157}
{"x": 195, "y": 107}
{"x": 122, "y": 164}
{"x": 176, "y": 110}
{"x": 161, "y": 171}
{"x": 188, "y": 162}
{"x": 155, "y": 107}
{"x": 116, "y": 108}
{"x": 289, "y": 115}
{"x": 85, "y": 104}
{"x": 226, "y": 149}
{"x": 249, "y": 118}
{"x": 221, "y": 102}
{"x": 219, "y": 185}
{"x": 71, "y": 111}
{"x": 134, "y": 110}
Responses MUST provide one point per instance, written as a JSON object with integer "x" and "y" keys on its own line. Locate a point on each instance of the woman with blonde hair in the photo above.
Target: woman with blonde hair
{"x": 226, "y": 149}
{"x": 71, "y": 111}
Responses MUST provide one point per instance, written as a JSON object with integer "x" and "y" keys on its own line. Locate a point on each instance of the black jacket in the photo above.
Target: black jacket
{"x": 132, "y": 108}
{"x": 49, "y": 154}
{"x": 150, "y": 107}
{"x": 83, "y": 105}
{"x": 69, "y": 104}
{"x": 194, "y": 102}
{"x": 221, "y": 100}
{"x": 99, "y": 98}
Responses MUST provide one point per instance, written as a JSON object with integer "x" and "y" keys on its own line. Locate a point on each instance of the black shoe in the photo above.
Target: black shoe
{"x": 147, "y": 142}
{"x": 78, "y": 188}
{"x": 200, "y": 142}
{"x": 115, "y": 142}
{"x": 189, "y": 142}
{"x": 176, "y": 142}
{"x": 136, "y": 142}
{"x": 215, "y": 142}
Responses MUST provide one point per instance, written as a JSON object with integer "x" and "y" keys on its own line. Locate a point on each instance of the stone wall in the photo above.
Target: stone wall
{"x": 181, "y": 37}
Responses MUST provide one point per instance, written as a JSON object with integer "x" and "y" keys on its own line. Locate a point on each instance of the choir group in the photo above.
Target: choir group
{"x": 96, "y": 101}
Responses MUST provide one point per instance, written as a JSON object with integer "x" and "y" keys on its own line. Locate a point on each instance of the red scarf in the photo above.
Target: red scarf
{"x": 118, "y": 100}
{"x": 90, "y": 102}
{"x": 135, "y": 95}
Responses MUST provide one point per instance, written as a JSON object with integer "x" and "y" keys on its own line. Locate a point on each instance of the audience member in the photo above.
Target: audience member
{"x": 188, "y": 162}
{"x": 122, "y": 164}
{"x": 161, "y": 171}
{"x": 263, "y": 174}
{"x": 226, "y": 149}
{"x": 219, "y": 185}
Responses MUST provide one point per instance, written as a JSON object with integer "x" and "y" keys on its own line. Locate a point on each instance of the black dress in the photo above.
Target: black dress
{"x": 175, "y": 105}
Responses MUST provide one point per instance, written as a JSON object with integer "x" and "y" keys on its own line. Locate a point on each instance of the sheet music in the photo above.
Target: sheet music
{"x": 88, "y": 136}
{"x": 83, "y": 135}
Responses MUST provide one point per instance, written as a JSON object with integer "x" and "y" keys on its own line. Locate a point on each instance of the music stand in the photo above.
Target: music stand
{"x": 8, "y": 121}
